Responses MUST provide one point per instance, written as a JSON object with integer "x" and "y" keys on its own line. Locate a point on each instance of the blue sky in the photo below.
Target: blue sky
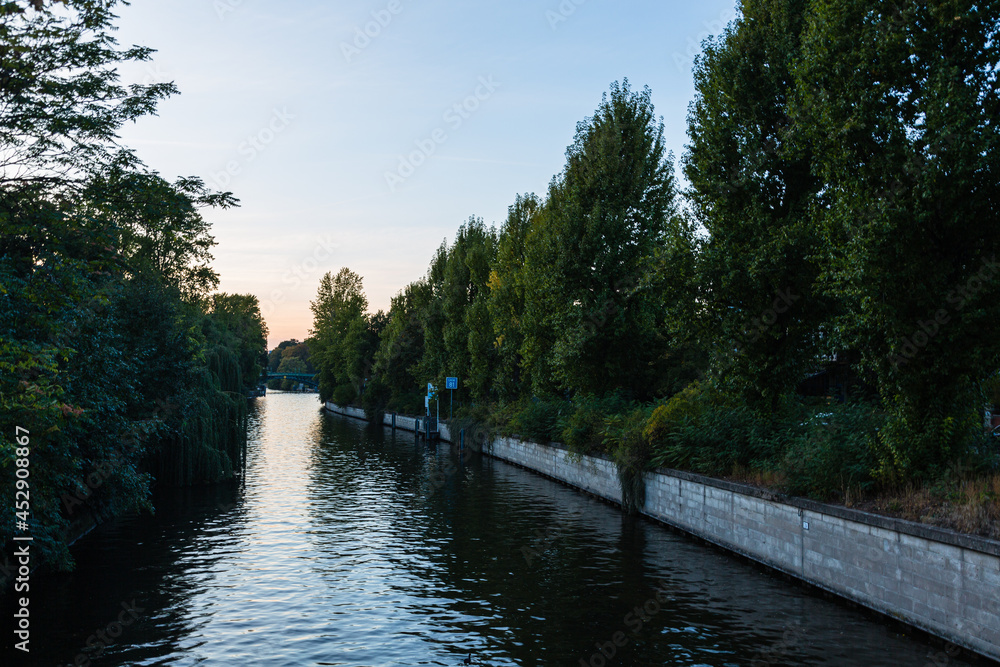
{"x": 362, "y": 134}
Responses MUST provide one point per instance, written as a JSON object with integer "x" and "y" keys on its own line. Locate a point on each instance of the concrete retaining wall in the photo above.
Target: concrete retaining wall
{"x": 943, "y": 582}
{"x": 596, "y": 475}
{"x": 357, "y": 413}
{"x": 393, "y": 420}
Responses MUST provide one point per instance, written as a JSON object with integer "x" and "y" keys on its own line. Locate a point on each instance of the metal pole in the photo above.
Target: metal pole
{"x": 451, "y": 407}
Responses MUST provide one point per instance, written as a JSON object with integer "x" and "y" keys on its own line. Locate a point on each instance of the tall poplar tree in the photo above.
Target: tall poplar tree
{"x": 507, "y": 299}
{"x": 338, "y": 311}
{"x": 752, "y": 188}
{"x": 594, "y": 314}
{"x": 901, "y": 101}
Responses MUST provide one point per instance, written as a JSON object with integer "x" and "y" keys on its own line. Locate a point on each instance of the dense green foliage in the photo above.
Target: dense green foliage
{"x": 344, "y": 337}
{"x": 544, "y": 305}
{"x": 290, "y": 356}
{"x": 841, "y": 219}
{"x": 903, "y": 119}
{"x": 596, "y": 279}
{"x": 751, "y": 188}
{"x": 114, "y": 354}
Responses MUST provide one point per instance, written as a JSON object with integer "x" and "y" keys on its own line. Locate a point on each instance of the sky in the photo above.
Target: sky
{"x": 363, "y": 134}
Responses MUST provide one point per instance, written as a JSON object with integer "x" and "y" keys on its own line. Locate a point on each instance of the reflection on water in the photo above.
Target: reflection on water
{"x": 324, "y": 554}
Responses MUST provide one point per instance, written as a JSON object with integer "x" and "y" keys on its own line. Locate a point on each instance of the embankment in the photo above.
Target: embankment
{"x": 943, "y": 582}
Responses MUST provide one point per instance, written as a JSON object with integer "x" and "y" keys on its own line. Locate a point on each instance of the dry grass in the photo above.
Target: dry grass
{"x": 967, "y": 506}
{"x": 763, "y": 479}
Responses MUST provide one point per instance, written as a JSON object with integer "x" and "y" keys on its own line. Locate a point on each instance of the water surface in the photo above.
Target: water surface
{"x": 325, "y": 554}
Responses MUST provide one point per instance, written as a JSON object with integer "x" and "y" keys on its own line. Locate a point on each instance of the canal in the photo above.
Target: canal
{"x": 337, "y": 548}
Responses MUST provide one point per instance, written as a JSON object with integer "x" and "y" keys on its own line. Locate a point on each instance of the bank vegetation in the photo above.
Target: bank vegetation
{"x": 816, "y": 310}
{"x": 118, "y": 357}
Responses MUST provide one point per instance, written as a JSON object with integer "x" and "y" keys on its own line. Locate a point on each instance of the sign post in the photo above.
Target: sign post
{"x": 451, "y": 384}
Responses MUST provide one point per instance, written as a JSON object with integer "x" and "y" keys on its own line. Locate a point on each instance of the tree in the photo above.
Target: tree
{"x": 113, "y": 373}
{"x": 300, "y": 351}
{"x": 58, "y": 310}
{"x": 592, "y": 307}
{"x": 243, "y": 330}
{"x": 292, "y": 365}
{"x": 275, "y": 356}
{"x": 752, "y": 187}
{"x": 161, "y": 229}
{"x": 340, "y": 305}
{"x": 61, "y": 101}
{"x": 401, "y": 348}
{"x": 433, "y": 319}
{"x": 467, "y": 330}
{"x": 901, "y": 103}
{"x": 361, "y": 345}
{"x": 506, "y": 302}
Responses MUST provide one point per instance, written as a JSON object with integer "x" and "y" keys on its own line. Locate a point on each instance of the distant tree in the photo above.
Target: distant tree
{"x": 275, "y": 356}
{"x": 339, "y": 307}
{"x": 292, "y": 365}
{"x": 300, "y": 351}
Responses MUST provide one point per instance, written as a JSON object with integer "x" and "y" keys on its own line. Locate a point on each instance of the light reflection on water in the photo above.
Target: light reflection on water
{"x": 321, "y": 556}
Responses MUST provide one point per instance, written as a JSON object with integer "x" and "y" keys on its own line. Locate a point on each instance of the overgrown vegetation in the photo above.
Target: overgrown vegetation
{"x": 115, "y": 355}
{"x": 840, "y": 226}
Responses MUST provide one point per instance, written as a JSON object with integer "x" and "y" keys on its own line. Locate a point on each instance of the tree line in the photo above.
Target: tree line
{"x": 839, "y": 227}
{"x": 117, "y": 354}
{"x": 290, "y": 356}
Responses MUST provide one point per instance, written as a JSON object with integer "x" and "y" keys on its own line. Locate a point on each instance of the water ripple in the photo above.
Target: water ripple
{"x": 339, "y": 548}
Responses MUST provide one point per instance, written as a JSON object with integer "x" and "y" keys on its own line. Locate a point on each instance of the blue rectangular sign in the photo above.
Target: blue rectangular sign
{"x": 451, "y": 383}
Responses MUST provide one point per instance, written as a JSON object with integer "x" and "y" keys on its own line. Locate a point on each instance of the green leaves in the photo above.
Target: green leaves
{"x": 751, "y": 189}
{"x": 903, "y": 117}
{"x": 339, "y": 325}
{"x": 111, "y": 352}
{"x": 158, "y": 225}
{"x": 61, "y": 101}
{"x": 845, "y": 152}
{"x": 594, "y": 312}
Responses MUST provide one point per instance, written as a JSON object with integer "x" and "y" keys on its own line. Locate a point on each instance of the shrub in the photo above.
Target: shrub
{"x": 629, "y": 448}
{"x": 669, "y": 416}
{"x": 583, "y": 427}
{"x": 698, "y": 430}
{"x": 832, "y": 453}
{"x": 538, "y": 419}
{"x": 919, "y": 445}
{"x": 344, "y": 394}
